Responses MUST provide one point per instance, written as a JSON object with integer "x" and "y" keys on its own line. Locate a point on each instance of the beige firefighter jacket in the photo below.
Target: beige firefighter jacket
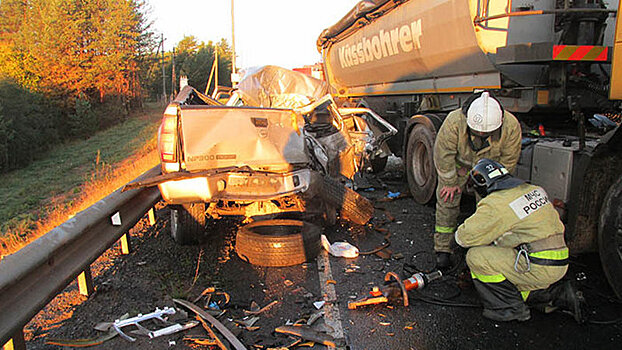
{"x": 452, "y": 149}
{"x": 511, "y": 217}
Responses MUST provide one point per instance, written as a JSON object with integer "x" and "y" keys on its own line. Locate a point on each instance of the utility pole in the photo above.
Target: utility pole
{"x": 163, "y": 73}
{"x": 233, "y": 70}
{"x": 173, "y": 78}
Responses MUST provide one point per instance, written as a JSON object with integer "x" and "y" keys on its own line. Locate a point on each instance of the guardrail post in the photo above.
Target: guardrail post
{"x": 151, "y": 215}
{"x": 126, "y": 246}
{"x": 85, "y": 282}
{"x": 17, "y": 342}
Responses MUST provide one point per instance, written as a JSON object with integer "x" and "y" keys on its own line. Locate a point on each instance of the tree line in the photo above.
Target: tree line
{"x": 72, "y": 67}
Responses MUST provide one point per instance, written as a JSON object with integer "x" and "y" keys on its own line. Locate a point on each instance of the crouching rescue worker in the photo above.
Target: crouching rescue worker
{"x": 516, "y": 247}
{"x": 480, "y": 129}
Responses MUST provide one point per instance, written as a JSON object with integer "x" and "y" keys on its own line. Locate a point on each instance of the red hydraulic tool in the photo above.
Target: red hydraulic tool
{"x": 394, "y": 288}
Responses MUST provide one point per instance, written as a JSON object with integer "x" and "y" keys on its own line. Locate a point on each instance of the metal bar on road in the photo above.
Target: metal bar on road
{"x": 34, "y": 275}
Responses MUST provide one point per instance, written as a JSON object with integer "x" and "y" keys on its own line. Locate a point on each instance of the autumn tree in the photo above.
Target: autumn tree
{"x": 69, "y": 68}
{"x": 83, "y": 46}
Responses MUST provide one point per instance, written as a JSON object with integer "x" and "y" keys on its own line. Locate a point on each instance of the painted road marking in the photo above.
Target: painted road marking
{"x": 332, "y": 317}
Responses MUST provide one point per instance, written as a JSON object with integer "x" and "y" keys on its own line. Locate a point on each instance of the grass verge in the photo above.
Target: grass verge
{"x": 73, "y": 176}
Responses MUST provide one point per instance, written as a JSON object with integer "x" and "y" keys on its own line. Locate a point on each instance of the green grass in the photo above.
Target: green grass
{"x": 60, "y": 174}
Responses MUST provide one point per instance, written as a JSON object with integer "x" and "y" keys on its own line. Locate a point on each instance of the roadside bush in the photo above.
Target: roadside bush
{"x": 28, "y": 125}
{"x": 83, "y": 122}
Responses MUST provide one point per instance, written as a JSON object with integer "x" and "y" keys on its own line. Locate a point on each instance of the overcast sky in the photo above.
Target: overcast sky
{"x": 279, "y": 32}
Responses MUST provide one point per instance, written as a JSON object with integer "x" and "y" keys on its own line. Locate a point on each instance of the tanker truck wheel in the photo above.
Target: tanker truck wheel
{"x": 610, "y": 237}
{"x": 419, "y": 165}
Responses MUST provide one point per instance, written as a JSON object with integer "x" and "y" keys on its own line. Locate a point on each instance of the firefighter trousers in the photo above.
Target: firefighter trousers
{"x": 492, "y": 267}
{"x": 447, "y": 217}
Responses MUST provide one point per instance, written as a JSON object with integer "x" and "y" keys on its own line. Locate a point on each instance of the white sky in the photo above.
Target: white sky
{"x": 279, "y": 32}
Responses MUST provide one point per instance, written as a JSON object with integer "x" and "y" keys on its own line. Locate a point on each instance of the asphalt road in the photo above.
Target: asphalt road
{"x": 159, "y": 270}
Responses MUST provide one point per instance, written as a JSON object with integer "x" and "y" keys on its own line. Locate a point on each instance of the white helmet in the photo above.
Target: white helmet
{"x": 484, "y": 114}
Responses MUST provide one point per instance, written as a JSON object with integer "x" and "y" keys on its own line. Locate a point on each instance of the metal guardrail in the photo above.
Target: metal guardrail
{"x": 34, "y": 275}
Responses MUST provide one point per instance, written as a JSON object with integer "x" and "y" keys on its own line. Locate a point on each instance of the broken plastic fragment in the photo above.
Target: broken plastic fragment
{"x": 318, "y": 304}
{"x": 340, "y": 249}
{"x": 393, "y": 194}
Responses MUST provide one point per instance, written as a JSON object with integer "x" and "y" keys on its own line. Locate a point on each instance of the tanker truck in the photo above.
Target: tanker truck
{"x": 555, "y": 64}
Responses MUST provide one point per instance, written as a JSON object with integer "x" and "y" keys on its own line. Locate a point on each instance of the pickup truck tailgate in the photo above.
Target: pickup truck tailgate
{"x": 218, "y": 137}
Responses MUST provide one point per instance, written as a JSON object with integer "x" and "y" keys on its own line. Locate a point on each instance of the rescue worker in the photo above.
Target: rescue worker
{"x": 480, "y": 129}
{"x": 516, "y": 247}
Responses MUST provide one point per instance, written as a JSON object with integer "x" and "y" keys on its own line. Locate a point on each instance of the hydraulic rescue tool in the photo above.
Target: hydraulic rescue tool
{"x": 394, "y": 288}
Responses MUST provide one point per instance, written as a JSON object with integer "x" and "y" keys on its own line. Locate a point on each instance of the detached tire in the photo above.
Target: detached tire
{"x": 187, "y": 223}
{"x": 420, "y": 169}
{"x": 278, "y": 242}
{"x": 352, "y": 205}
{"x": 610, "y": 237}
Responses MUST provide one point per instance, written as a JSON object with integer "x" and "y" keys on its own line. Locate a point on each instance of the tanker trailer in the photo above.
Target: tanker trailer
{"x": 549, "y": 63}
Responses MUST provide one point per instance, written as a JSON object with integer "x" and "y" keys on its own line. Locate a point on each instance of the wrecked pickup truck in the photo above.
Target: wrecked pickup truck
{"x": 279, "y": 146}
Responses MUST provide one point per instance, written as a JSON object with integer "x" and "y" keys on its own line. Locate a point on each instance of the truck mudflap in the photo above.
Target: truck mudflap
{"x": 234, "y": 185}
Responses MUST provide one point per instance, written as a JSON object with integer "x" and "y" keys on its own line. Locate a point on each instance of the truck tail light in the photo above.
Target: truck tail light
{"x": 168, "y": 135}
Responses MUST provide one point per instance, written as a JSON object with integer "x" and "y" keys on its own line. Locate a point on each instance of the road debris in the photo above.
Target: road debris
{"x": 314, "y": 318}
{"x": 352, "y": 268}
{"x": 318, "y": 304}
{"x": 340, "y": 249}
{"x": 255, "y": 310}
{"x": 384, "y": 245}
{"x": 209, "y": 318}
{"x": 288, "y": 283}
{"x": 84, "y": 343}
{"x": 214, "y": 339}
{"x": 209, "y": 293}
{"x": 307, "y": 333}
{"x": 331, "y": 282}
{"x": 410, "y": 325}
{"x": 248, "y": 323}
{"x": 158, "y": 314}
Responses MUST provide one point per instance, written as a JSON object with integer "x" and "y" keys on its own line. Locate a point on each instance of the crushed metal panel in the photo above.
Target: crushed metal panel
{"x": 262, "y": 139}
{"x": 276, "y": 87}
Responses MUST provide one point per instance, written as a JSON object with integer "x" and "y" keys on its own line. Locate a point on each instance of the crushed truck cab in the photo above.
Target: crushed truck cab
{"x": 279, "y": 145}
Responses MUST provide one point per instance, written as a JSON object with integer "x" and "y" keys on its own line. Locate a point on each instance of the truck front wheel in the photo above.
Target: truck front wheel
{"x": 610, "y": 236}
{"x": 187, "y": 223}
{"x": 419, "y": 164}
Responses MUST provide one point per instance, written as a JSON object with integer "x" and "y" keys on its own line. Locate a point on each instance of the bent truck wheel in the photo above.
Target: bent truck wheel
{"x": 610, "y": 237}
{"x": 278, "y": 242}
{"x": 419, "y": 165}
{"x": 352, "y": 205}
{"x": 187, "y": 223}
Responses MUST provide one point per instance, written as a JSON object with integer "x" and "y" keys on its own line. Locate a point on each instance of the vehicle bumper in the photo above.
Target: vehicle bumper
{"x": 236, "y": 186}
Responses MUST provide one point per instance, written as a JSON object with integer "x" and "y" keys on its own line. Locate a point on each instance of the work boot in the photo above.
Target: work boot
{"x": 519, "y": 313}
{"x": 570, "y": 300}
{"x": 563, "y": 296}
{"x": 443, "y": 261}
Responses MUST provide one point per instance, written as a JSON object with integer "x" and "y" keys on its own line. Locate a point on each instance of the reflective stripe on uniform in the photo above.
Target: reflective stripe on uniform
{"x": 488, "y": 278}
{"x": 444, "y": 229}
{"x": 551, "y": 254}
{"x": 550, "y": 257}
{"x": 525, "y": 294}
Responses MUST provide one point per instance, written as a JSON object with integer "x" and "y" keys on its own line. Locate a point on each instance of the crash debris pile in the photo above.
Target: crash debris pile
{"x": 220, "y": 328}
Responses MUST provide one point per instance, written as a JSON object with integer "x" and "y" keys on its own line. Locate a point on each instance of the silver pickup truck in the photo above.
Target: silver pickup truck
{"x": 278, "y": 146}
